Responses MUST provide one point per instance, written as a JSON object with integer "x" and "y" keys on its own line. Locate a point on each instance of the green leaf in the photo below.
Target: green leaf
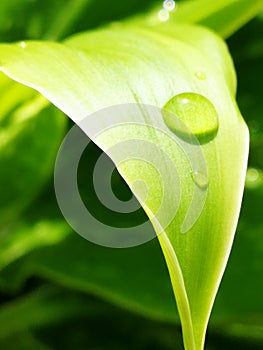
{"x": 19, "y": 239}
{"x": 235, "y": 310}
{"x": 223, "y": 16}
{"x": 44, "y": 306}
{"x": 247, "y": 49}
{"x": 42, "y": 244}
{"x": 23, "y": 341}
{"x": 25, "y": 120}
{"x": 55, "y": 318}
{"x": 109, "y": 273}
{"x": 234, "y": 17}
{"x": 28, "y": 19}
{"x": 124, "y": 65}
{"x": 55, "y": 20}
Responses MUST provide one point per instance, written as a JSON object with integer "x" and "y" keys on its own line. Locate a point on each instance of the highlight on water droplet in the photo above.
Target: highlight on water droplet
{"x": 200, "y": 75}
{"x": 22, "y": 44}
{"x": 169, "y": 5}
{"x": 190, "y": 114}
{"x": 200, "y": 179}
{"x": 163, "y": 15}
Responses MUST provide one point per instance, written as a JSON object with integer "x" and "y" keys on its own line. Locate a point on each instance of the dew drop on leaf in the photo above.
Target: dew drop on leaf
{"x": 189, "y": 114}
{"x": 200, "y": 179}
{"x": 200, "y": 75}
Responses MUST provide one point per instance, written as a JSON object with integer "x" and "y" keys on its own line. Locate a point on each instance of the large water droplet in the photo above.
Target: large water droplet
{"x": 200, "y": 179}
{"x": 189, "y": 114}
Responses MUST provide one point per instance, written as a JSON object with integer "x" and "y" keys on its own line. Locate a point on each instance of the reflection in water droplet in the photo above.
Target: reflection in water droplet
{"x": 169, "y": 5}
{"x": 189, "y": 114}
{"x": 22, "y": 44}
{"x": 200, "y": 75}
{"x": 200, "y": 179}
{"x": 163, "y": 15}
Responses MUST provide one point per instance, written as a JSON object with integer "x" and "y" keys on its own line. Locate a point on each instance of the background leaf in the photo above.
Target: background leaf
{"x": 27, "y": 19}
{"x": 79, "y": 265}
{"x": 223, "y": 16}
{"x": 25, "y": 120}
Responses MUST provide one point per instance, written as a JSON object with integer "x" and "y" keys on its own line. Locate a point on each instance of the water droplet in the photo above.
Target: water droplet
{"x": 200, "y": 179}
{"x": 254, "y": 178}
{"x": 189, "y": 114}
{"x": 163, "y": 15}
{"x": 252, "y": 175}
{"x": 22, "y": 44}
{"x": 200, "y": 75}
{"x": 169, "y": 5}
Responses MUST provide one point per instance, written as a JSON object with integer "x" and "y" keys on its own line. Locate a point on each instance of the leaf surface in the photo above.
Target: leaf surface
{"x": 223, "y": 16}
{"x": 131, "y": 65}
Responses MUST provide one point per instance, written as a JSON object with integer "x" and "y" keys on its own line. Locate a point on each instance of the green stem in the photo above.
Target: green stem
{"x": 179, "y": 291}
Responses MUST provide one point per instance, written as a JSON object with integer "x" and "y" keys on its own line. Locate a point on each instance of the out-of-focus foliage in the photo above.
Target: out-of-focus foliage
{"x": 56, "y": 19}
{"x": 223, "y": 16}
{"x": 56, "y": 274}
{"x": 27, "y": 154}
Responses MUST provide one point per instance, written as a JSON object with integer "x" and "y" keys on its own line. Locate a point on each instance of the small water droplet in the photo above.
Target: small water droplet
{"x": 252, "y": 175}
{"x": 163, "y": 15}
{"x": 169, "y": 5}
{"x": 189, "y": 114}
{"x": 200, "y": 75}
{"x": 22, "y": 44}
{"x": 254, "y": 178}
{"x": 200, "y": 179}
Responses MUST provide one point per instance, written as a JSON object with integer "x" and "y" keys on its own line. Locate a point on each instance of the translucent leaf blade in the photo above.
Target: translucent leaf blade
{"x": 131, "y": 65}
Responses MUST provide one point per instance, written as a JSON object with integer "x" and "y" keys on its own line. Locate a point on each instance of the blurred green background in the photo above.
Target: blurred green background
{"x": 57, "y": 290}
